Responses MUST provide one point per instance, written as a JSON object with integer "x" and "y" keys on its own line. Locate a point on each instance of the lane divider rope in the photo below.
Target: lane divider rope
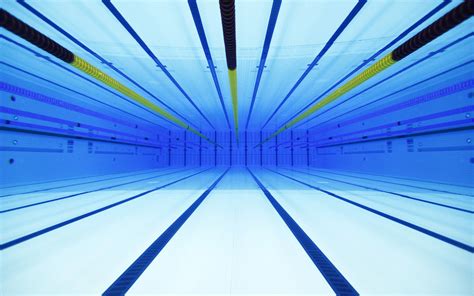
{"x": 227, "y": 8}
{"x": 366, "y": 61}
{"x": 28, "y": 33}
{"x": 207, "y": 52}
{"x": 121, "y": 19}
{"x": 347, "y": 21}
{"x": 451, "y": 19}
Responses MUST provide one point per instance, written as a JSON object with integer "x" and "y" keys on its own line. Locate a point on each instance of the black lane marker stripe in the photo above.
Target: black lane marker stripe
{"x": 85, "y": 192}
{"x": 91, "y": 213}
{"x": 125, "y": 281}
{"x": 389, "y": 192}
{"x": 120, "y": 18}
{"x": 433, "y": 234}
{"x": 395, "y": 183}
{"x": 76, "y": 184}
{"x": 333, "y": 276}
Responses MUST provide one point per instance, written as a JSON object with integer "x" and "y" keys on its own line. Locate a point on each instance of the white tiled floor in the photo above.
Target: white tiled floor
{"x": 235, "y": 242}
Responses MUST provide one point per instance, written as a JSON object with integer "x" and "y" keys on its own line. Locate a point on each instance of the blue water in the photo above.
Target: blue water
{"x": 372, "y": 194}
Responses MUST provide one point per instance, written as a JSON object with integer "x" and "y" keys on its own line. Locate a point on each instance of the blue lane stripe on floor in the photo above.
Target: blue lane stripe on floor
{"x": 333, "y": 276}
{"x": 125, "y": 281}
{"x": 396, "y": 183}
{"x": 83, "y": 216}
{"x": 85, "y": 192}
{"x": 433, "y": 234}
{"x": 76, "y": 184}
{"x": 389, "y": 192}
